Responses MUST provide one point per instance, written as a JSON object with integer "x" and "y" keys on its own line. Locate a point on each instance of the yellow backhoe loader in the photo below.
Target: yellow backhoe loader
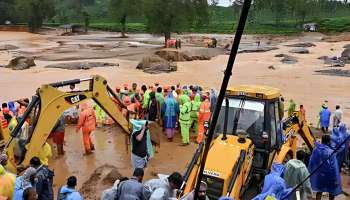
{"x": 250, "y": 135}
{"x": 47, "y": 106}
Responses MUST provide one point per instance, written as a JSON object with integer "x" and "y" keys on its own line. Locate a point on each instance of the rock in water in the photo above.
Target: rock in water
{"x": 347, "y": 46}
{"x": 80, "y": 65}
{"x": 257, "y": 49}
{"x": 155, "y": 65}
{"x": 7, "y": 47}
{"x": 287, "y": 59}
{"x": 173, "y": 55}
{"x": 302, "y": 44}
{"x": 21, "y": 63}
{"x": 345, "y": 55}
{"x": 300, "y": 51}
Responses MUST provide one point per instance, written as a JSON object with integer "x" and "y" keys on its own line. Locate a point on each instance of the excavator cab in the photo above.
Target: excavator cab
{"x": 253, "y": 111}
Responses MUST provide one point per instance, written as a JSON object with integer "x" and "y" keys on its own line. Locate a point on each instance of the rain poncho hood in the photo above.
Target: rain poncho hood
{"x": 137, "y": 126}
{"x": 69, "y": 194}
{"x": 339, "y": 135}
{"x": 274, "y": 184}
{"x": 327, "y": 178}
{"x": 12, "y": 107}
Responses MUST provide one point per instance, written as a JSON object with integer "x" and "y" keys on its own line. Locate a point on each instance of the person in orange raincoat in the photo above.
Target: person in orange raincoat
{"x": 204, "y": 115}
{"x": 87, "y": 122}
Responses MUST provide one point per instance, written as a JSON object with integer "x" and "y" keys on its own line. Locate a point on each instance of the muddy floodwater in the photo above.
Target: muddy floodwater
{"x": 119, "y": 57}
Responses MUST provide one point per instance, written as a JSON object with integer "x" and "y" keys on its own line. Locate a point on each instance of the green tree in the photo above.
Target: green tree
{"x": 122, "y": 9}
{"x": 34, "y": 12}
{"x": 165, "y": 17}
{"x": 7, "y": 8}
{"x": 202, "y": 12}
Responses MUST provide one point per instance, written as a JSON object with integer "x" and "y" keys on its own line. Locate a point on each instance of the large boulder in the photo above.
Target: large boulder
{"x": 302, "y": 44}
{"x": 21, "y": 63}
{"x": 345, "y": 55}
{"x": 156, "y": 65}
{"x": 173, "y": 55}
{"x": 287, "y": 59}
{"x": 300, "y": 50}
{"x": 347, "y": 46}
{"x": 333, "y": 61}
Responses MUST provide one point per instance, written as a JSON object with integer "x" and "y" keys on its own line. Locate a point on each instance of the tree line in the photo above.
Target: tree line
{"x": 162, "y": 16}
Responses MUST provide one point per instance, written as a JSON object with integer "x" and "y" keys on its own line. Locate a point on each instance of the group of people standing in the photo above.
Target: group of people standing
{"x": 173, "y": 107}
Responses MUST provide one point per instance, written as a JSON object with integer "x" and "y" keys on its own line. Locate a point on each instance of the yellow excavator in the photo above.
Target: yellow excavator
{"x": 250, "y": 135}
{"x": 47, "y": 106}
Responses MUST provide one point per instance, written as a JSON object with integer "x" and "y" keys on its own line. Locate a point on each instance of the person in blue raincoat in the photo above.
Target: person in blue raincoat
{"x": 274, "y": 185}
{"x": 68, "y": 192}
{"x": 170, "y": 110}
{"x": 27, "y": 180}
{"x": 339, "y": 135}
{"x": 327, "y": 178}
{"x": 325, "y": 116}
{"x": 12, "y": 107}
{"x": 141, "y": 147}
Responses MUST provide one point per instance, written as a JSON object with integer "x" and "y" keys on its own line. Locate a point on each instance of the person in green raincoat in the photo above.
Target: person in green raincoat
{"x": 160, "y": 99}
{"x": 291, "y": 107}
{"x": 184, "y": 97}
{"x": 195, "y": 104}
{"x": 185, "y": 122}
{"x": 100, "y": 115}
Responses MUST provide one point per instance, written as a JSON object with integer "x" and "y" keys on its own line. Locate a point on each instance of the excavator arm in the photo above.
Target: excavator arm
{"x": 48, "y": 105}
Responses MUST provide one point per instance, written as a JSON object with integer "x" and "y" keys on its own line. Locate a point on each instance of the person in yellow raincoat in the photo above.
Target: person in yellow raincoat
{"x": 45, "y": 154}
{"x": 7, "y": 184}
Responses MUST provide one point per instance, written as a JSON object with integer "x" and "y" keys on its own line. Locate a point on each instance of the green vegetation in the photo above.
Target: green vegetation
{"x": 164, "y": 17}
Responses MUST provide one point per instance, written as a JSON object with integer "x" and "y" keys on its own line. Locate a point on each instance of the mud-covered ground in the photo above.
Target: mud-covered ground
{"x": 298, "y": 81}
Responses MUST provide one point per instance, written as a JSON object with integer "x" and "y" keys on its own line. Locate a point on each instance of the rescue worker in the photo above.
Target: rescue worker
{"x": 327, "y": 178}
{"x": 302, "y": 111}
{"x": 184, "y": 96}
{"x": 45, "y": 154}
{"x": 153, "y": 107}
{"x": 170, "y": 110}
{"x": 195, "y": 104}
{"x": 291, "y": 107}
{"x": 141, "y": 145}
{"x": 7, "y": 183}
{"x": 27, "y": 180}
{"x": 339, "y": 135}
{"x": 160, "y": 99}
{"x": 44, "y": 179}
{"x": 204, "y": 115}
{"x": 132, "y": 188}
{"x": 325, "y": 103}
{"x": 185, "y": 122}
{"x": 325, "y": 116}
{"x": 58, "y": 135}
{"x": 133, "y": 89}
{"x": 202, "y": 193}
{"x": 145, "y": 102}
{"x": 87, "y": 122}
{"x": 213, "y": 97}
{"x": 100, "y": 115}
{"x": 274, "y": 184}
{"x": 164, "y": 187}
{"x": 338, "y": 114}
{"x": 295, "y": 172}
{"x": 68, "y": 191}
{"x": 6, "y": 112}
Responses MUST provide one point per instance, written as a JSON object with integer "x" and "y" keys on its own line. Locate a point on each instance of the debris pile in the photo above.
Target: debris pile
{"x": 333, "y": 61}
{"x": 102, "y": 178}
